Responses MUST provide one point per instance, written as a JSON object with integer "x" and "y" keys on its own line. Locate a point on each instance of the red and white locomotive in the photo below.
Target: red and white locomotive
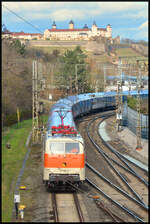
{"x": 64, "y": 157}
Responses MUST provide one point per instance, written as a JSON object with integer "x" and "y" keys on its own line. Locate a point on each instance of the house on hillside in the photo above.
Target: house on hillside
{"x": 27, "y": 36}
{"x": 22, "y": 35}
{"x": 6, "y": 35}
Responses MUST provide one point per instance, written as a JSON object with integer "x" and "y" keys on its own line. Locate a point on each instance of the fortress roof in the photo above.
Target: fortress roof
{"x": 54, "y": 24}
{"x": 102, "y": 29}
{"x": 85, "y": 26}
{"x": 71, "y": 22}
{"x": 94, "y": 23}
{"x": 68, "y": 30}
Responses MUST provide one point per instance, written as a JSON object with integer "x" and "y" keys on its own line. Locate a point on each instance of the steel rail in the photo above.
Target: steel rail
{"x": 54, "y": 204}
{"x": 75, "y": 187}
{"x": 128, "y": 170}
{"x": 117, "y": 172}
{"x": 76, "y": 200}
{"x": 113, "y": 216}
{"x": 132, "y": 162}
{"x": 115, "y": 186}
{"x": 122, "y": 159}
{"x": 117, "y": 203}
{"x": 117, "y": 154}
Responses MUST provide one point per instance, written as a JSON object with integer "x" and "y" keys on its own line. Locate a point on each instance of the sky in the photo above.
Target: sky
{"x": 128, "y": 19}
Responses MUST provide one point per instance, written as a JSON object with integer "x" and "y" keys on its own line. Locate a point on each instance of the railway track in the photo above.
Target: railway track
{"x": 66, "y": 207}
{"x": 123, "y": 184}
{"x": 115, "y": 202}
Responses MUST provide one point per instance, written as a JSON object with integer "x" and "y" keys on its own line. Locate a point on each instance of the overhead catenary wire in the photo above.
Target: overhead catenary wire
{"x": 22, "y": 18}
{"x": 25, "y": 21}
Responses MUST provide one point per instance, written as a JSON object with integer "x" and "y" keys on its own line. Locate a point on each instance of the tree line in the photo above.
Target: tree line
{"x": 71, "y": 76}
{"x": 16, "y": 82}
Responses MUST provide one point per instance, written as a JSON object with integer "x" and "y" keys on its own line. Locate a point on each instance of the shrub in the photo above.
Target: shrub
{"x": 12, "y": 118}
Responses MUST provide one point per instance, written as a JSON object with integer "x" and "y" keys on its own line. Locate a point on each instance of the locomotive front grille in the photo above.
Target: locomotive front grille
{"x": 64, "y": 177}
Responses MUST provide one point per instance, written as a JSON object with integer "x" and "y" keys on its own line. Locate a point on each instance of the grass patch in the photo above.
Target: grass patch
{"x": 126, "y": 52}
{"x": 129, "y": 52}
{"x": 50, "y": 49}
{"x": 103, "y": 58}
{"x": 132, "y": 101}
{"x": 12, "y": 162}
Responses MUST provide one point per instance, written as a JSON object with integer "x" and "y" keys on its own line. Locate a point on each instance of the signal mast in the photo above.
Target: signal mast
{"x": 138, "y": 106}
{"x": 37, "y": 105}
{"x": 119, "y": 97}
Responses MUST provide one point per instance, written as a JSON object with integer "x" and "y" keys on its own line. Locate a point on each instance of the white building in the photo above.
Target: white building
{"x": 77, "y": 34}
{"x": 22, "y": 35}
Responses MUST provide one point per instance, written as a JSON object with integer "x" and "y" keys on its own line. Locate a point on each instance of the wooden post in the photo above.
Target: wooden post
{"x": 18, "y": 115}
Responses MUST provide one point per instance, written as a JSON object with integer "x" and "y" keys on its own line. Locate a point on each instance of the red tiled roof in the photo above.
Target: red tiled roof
{"x": 67, "y": 30}
{"x": 64, "y": 30}
{"x": 25, "y": 34}
{"x": 102, "y": 29}
{"x": 6, "y": 32}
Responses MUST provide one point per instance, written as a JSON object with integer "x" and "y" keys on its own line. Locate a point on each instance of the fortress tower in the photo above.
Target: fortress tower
{"x": 71, "y": 25}
{"x": 54, "y": 25}
{"x": 109, "y": 30}
{"x": 94, "y": 27}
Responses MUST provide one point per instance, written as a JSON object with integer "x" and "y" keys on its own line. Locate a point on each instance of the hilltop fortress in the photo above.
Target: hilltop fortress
{"x": 63, "y": 34}
{"x": 77, "y": 34}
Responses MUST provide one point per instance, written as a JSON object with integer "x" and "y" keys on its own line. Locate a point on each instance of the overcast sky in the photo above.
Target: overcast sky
{"x": 128, "y": 19}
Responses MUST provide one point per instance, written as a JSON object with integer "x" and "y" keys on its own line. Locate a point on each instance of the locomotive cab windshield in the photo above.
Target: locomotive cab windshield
{"x": 64, "y": 148}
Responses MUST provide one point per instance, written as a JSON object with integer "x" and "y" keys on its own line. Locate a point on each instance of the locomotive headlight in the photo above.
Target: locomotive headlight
{"x": 64, "y": 164}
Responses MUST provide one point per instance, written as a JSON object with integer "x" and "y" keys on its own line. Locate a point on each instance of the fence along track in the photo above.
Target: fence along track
{"x": 61, "y": 211}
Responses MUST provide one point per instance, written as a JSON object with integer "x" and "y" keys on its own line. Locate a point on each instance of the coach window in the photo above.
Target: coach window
{"x": 57, "y": 148}
{"x": 72, "y": 148}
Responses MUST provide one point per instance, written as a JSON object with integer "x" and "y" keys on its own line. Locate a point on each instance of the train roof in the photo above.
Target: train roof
{"x": 65, "y": 106}
{"x": 88, "y": 96}
{"x": 68, "y": 102}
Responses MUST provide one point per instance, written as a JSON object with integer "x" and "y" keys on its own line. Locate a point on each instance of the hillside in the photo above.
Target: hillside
{"x": 17, "y": 69}
{"x": 101, "y": 50}
{"x": 99, "y": 53}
